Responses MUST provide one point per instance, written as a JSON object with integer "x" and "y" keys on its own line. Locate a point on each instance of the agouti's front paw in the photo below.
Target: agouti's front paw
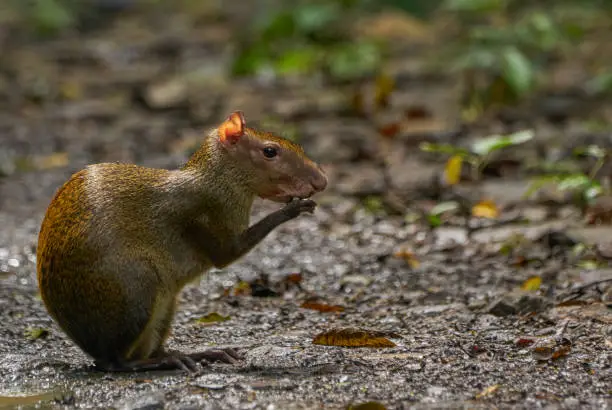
{"x": 298, "y": 206}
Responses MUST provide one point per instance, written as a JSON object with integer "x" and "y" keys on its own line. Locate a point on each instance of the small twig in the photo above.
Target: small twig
{"x": 579, "y": 291}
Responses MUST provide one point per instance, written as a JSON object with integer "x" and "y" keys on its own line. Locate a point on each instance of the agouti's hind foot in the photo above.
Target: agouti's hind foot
{"x": 169, "y": 362}
{"x": 225, "y": 355}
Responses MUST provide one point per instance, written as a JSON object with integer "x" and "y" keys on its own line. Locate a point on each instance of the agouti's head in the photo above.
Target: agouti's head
{"x": 278, "y": 169}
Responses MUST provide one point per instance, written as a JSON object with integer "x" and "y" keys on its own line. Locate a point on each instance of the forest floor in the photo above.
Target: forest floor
{"x": 469, "y": 329}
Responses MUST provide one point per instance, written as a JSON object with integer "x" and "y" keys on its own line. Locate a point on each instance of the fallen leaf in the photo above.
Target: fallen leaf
{"x": 71, "y": 90}
{"x": 452, "y": 170}
{"x": 532, "y": 284}
{"x": 370, "y": 405}
{"x": 56, "y": 160}
{"x": 242, "y": 288}
{"x": 408, "y": 256}
{"x": 383, "y": 88}
{"x": 12, "y": 402}
{"x": 321, "y": 307}
{"x": 34, "y": 333}
{"x": 391, "y": 25}
{"x": 389, "y": 130}
{"x": 561, "y": 351}
{"x": 295, "y": 278}
{"x": 524, "y": 342}
{"x": 488, "y": 391}
{"x": 485, "y": 209}
{"x": 417, "y": 112}
{"x": 551, "y": 349}
{"x": 352, "y": 337}
{"x": 213, "y": 317}
{"x": 573, "y": 302}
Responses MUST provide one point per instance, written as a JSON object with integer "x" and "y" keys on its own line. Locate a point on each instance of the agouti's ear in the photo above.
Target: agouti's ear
{"x": 232, "y": 128}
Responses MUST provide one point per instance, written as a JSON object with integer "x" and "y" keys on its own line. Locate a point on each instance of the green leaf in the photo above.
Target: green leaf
{"x": 487, "y": 145}
{"x": 34, "y": 333}
{"x": 593, "y": 192}
{"x": 517, "y": 71}
{"x": 373, "y": 204}
{"x": 251, "y": 60}
{"x": 443, "y": 149}
{"x": 442, "y": 207}
{"x": 298, "y": 61}
{"x": 600, "y": 84}
{"x": 573, "y": 182}
{"x": 591, "y": 150}
{"x": 538, "y": 183}
{"x": 480, "y": 6}
{"x": 50, "y": 16}
{"x": 310, "y": 18}
{"x": 434, "y": 221}
{"x": 479, "y": 58}
{"x": 349, "y": 61}
{"x": 280, "y": 25}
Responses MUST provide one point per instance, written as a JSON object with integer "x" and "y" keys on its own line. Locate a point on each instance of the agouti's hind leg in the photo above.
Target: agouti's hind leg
{"x": 211, "y": 355}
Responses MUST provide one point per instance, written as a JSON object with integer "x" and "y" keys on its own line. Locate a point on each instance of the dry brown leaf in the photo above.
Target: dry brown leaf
{"x": 417, "y": 112}
{"x": 322, "y": 307}
{"x": 295, "y": 278}
{"x": 485, "y": 209}
{"x": 524, "y": 341}
{"x": 551, "y": 349}
{"x": 352, "y": 337}
{"x": 370, "y": 405}
{"x": 389, "y": 130}
{"x": 532, "y": 284}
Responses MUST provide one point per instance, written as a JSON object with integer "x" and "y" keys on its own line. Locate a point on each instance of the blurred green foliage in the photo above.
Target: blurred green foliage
{"x": 305, "y": 38}
{"x": 511, "y": 42}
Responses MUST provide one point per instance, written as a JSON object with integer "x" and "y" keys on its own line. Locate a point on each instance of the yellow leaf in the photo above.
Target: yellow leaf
{"x": 56, "y": 160}
{"x": 452, "y": 170}
{"x": 485, "y": 209}
{"x": 532, "y": 284}
{"x": 351, "y": 337}
{"x": 213, "y": 318}
{"x": 71, "y": 90}
{"x": 384, "y": 87}
{"x": 488, "y": 391}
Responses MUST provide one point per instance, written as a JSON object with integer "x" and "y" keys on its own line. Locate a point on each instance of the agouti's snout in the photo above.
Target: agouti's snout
{"x": 319, "y": 179}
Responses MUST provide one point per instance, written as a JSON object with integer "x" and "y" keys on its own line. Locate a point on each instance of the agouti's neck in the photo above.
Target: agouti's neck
{"x": 210, "y": 181}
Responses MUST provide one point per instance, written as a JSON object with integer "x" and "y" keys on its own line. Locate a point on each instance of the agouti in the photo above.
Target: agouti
{"x": 119, "y": 242}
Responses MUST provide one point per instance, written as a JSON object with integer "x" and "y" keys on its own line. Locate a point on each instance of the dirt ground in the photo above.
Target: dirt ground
{"x": 449, "y": 297}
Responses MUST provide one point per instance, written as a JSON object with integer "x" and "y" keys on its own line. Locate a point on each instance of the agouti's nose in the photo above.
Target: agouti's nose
{"x": 319, "y": 179}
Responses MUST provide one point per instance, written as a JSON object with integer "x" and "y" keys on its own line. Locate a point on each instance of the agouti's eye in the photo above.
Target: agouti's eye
{"x": 269, "y": 152}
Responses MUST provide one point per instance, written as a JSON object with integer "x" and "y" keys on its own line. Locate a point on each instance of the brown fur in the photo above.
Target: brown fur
{"x": 120, "y": 241}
